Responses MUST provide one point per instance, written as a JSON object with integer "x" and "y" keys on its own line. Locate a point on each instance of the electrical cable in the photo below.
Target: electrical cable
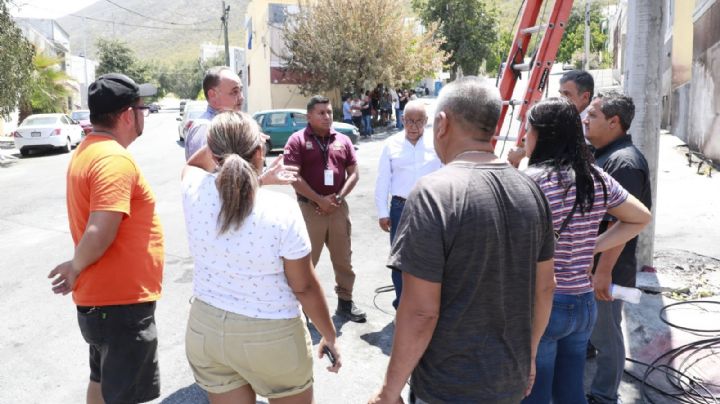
{"x": 143, "y": 26}
{"x": 122, "y": 23}
{"x": 677, "y": 364}
{"x": 382, "y": 289}
{"x": 695, "y": 303}
{"x": 507, "y": 133}
{"x": 151, "y": 18}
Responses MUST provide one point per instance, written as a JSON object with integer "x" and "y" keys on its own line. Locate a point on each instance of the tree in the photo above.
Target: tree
{"x": 116, "y": 57}
{"x": 469, "y": 28}
{"x": 184, "y": 78}
{"x": 15, "y": 62}
{"x": 500, "y": 52}
{"x": 573, "y": 42}
{"x": 339, "y": 46}
{"x": 46, "y": 92}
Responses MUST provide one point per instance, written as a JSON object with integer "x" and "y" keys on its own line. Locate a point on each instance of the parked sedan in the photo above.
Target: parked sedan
{"x": 193, "y": 110}
{"x": 82, "y": 116}
{"x": 47, "y": 131}
{"x": 279, "y": 124}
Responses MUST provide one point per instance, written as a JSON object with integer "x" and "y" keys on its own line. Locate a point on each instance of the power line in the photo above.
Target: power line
{"x": 151, "y": 18}
{"x": 145, "y": 26}
{"x": 128, "y": 24}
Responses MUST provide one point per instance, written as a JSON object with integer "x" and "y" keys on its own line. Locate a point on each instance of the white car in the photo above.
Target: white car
{"x": 47, "y": 131}
{"x": 193, "y": 110}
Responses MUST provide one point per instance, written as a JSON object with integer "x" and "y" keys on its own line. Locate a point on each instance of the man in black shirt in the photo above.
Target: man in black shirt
{"x": 609, "y": 117}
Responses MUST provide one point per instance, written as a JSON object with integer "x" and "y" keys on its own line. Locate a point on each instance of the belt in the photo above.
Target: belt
{"x": 90, "y": 309}
{"x": 399, "y": 198}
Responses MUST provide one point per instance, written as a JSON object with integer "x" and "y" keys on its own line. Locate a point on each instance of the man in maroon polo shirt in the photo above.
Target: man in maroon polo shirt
{"x": 327, "y": 173}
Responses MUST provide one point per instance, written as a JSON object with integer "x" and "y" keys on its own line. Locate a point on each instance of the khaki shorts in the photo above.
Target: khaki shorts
{"x": 227, "y": 351}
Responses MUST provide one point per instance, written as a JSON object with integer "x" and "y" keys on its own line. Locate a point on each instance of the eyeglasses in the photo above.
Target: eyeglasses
{"x": 144, "y": 108}
{"x": 417, "y": 123}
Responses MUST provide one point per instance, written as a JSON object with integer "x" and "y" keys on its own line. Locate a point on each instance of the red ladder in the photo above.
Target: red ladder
{"x": 542, "y": 61}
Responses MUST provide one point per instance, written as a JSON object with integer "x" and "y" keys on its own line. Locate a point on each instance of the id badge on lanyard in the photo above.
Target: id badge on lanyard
{"x": 329, "y": 176}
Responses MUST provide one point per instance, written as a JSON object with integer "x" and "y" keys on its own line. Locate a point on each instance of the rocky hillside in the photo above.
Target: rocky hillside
{"x": 160, "y": 30}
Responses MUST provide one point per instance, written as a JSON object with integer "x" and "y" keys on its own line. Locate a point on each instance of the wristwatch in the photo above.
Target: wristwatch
{"x": 338, "y": 198}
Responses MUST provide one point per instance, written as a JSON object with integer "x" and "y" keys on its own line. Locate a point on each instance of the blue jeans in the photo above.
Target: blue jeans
{"x": 398, "y": 118}
{"x": 396, "y": 208}
{"x": 560, "y": 361}
{"x": 367, "y": 124}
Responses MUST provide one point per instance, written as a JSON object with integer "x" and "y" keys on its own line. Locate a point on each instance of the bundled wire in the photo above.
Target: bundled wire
{"x": 382, "y": 289}
{"x": 684, "y": 379}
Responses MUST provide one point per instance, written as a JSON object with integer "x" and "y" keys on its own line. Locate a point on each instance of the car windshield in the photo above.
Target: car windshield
{"x": 300, "y": 119}
{"x": 40, "y": 120}
{"x": 80, "y": 115}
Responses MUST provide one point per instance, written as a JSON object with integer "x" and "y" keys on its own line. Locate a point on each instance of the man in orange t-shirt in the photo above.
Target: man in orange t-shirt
{"x": 115, "y": 275}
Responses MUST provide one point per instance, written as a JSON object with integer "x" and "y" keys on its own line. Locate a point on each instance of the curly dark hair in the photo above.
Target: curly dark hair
{"x": 561, "y": 145}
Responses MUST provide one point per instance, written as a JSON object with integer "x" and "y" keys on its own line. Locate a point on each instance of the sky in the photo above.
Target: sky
{"x": 47, "y": 8}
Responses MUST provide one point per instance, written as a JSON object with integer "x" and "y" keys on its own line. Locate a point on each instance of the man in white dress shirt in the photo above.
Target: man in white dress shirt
{"x": 406, "y": 156}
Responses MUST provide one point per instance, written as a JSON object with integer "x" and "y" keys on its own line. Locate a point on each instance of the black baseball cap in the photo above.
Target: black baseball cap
{"x": 114, "y": 91}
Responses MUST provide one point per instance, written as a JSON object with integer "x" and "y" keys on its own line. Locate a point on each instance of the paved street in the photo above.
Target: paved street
{"x": 45, "y": 358}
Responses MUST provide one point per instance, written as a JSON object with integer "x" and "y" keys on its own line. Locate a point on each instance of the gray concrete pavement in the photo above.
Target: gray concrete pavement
{"x": 45, "y": 358}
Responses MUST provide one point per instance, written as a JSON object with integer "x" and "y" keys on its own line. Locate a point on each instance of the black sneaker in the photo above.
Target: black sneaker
{"x": 346, "y": 308}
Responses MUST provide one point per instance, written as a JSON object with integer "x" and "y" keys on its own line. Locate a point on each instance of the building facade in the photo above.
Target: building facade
{"x": 269, "y": 86}
{"x": 83, "y": 72}
{"x": 49, "y": 38}
{"x": 703, "y": 126}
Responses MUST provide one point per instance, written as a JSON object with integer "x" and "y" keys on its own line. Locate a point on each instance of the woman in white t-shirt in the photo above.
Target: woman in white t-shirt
{"x": 245, "y": 335}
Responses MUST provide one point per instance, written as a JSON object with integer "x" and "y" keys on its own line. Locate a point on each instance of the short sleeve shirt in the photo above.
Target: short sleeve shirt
{"x": 305, "y": 150}
{"x": 241, "y": 271}
{"x": 103, "y": 176}
{"x": 626, "y": 164}
{"x": 479, "y": 230}
{"x": 574, "y": 247}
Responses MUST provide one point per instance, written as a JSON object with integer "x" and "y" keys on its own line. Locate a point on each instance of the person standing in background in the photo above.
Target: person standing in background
{"x": 405, "y": 158}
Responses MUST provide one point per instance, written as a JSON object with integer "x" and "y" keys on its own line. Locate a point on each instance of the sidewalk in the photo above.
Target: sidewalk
{"x": 687, "y": 261}
{"x": 8, "y": 151}
{"x": 687, "y": 264}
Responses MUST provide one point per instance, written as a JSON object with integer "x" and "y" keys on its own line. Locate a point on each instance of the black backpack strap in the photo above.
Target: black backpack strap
{"x": 565, "y": 222}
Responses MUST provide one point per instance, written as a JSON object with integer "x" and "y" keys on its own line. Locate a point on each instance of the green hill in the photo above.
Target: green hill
{"x": 163, "y": 31}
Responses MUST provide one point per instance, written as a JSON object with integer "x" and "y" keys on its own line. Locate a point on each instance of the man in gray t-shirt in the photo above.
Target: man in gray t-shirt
{"x": 475, "y": 246}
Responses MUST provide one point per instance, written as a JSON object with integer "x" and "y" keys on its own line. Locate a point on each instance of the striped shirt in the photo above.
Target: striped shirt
{"x": 574, "y": 248}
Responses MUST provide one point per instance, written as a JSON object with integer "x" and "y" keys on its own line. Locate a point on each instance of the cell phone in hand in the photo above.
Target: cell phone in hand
{"x": 329, "y": 354}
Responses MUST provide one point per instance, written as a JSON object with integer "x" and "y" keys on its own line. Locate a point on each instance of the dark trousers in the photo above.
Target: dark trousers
{"x": 607, "y": 337}
{"x": 396, "y": 207}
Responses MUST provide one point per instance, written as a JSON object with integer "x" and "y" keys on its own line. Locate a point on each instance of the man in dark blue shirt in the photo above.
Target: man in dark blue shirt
{"x": 607, "y": 122}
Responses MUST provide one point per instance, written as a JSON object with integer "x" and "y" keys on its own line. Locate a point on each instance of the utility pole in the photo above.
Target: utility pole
{"x": 642, "y": 81}
{"x": 586, "y": 60}
{"x": 224, "y": 19}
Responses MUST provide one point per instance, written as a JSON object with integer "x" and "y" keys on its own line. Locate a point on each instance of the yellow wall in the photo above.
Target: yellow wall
{"x": 287, "y": 96}
{"x": 682, "y": 46}
{"x": 261, "y": 94}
